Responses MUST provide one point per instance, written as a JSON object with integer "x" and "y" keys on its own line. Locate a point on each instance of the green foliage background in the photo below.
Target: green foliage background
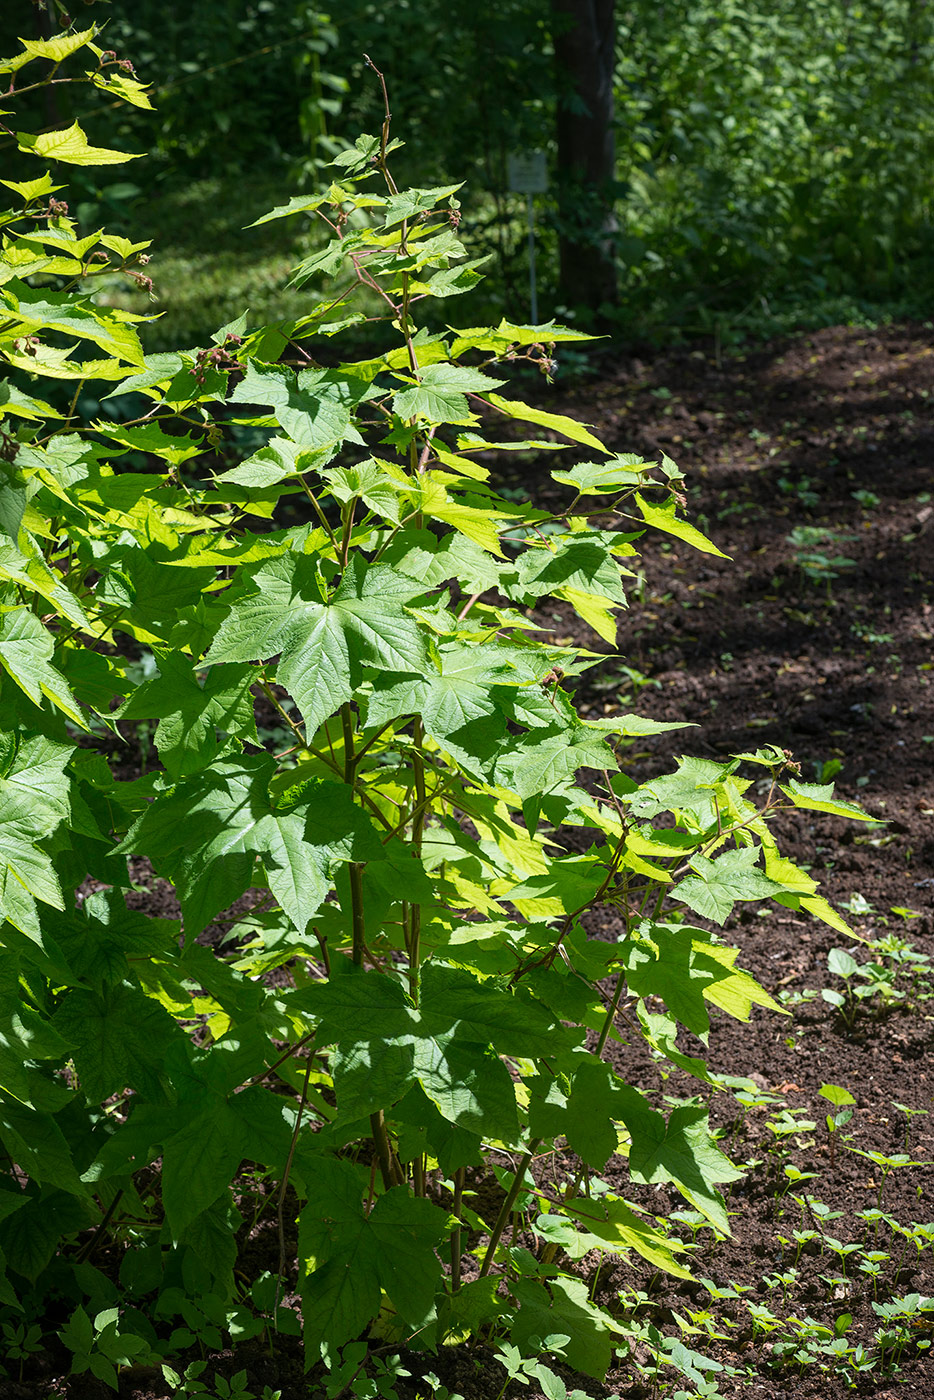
{"x": 773, "y": 157}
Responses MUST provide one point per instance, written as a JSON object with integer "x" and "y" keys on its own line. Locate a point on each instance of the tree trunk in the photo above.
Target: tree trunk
{"x": 584, "y": 39}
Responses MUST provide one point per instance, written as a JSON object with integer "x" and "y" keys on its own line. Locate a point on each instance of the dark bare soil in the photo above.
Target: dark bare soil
{"x": 753, "y": 650}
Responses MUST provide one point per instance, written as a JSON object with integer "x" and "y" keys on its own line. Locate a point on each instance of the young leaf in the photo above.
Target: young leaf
{"x": 719, "y": 884}
{"x": 818, "y": 797}
{"x": 70, "y": 146}
{"x": 558, "y": 422}
{"x": 60, "y": 46}
{"x": 619, "y": 1227}
{"x": 664, "y": 517}
{"x": 439, "y": 395}
{"x": 325, "y": 643}
{"x": 605, "y": 478}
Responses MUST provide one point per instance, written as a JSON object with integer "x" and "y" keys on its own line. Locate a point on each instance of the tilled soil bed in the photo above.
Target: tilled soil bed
{"x": 809, "y": 463}
{"x": 834, "y": 431}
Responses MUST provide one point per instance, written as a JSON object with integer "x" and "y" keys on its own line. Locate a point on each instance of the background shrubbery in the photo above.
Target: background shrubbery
{"x": 772, "y": 159}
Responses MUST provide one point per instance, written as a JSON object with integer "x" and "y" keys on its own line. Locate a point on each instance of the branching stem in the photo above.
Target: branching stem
{"x": 505, "y": 1210}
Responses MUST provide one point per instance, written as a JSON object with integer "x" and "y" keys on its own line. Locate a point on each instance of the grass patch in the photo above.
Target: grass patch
{"x": 207, "y": 266}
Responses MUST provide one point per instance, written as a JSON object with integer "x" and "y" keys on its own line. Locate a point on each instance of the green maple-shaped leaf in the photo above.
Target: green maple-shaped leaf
{"x": 453, "y": 1146}
{"x": 315, "y": 407}
{"x": 118, "y": 1038}
{"x": 468, "y": 1084}
{"x": 217, "y": 1133}
{"x": 719, "y": 884}
{"x": 38, "y": 310}
{"x": 665, "y": 517}
{"x": 371, "y": 1023}
{"x": 432, "y": 561}
{"x": 547, "y": 756}
{"x": 35, "y": 1142}
{"x": 407, "y": 204}
{"x": 512, "y": 1022}
{"x": 440, "y": 393}
{"x": 678, "y": 1149}
{"x": 818, "y": 797}
{"x": 34, "y": 788}
{"x": 686, "y": 970}
{"x": 71, "y": 146}
{"x": 347, "y": 1256}
{"x": 98, "y": 940}
{"x": 30, "y": 569}
{"x": 206, "y": 834}
{"x": 563, "y": 1306}
{"x": 25, "y": 1037}
{"x": 688, "y": 792}
{"x": 661, "y": 1032}
{"x": 578, "y": 561}
{"x": 568, "y": 884}
{"x": 26, "y": 650}
{"x": 152, "y": 438}
{"x": 34, "y": 798}
{"x": 457, "y": 702}
{"x": 190, "y": 714}
{"x": 581, "y": 1111}
{"x": 614, "y": 1222}
{"x": 451, "y": 1046}
{"x": 31, "y": 1236}
{"x": 325, "y": 642}
{"x": 368, "y": 482}
{"x": 149, "y": 597}
{"x": 611, "y": 477}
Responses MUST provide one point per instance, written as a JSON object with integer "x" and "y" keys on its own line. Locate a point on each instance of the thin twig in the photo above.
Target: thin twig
{"x": 280, "y": 1209}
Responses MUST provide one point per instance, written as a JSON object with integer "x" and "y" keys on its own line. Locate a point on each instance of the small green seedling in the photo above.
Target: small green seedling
{"x": 693, "y": 1220}
{"x": 802, "y": 1238}
{"x": 527, "y": 1369}
{"x": 825, "y": 770}
{"x": 436, "y": 1391}
{"x": 191, "y": 1385}
{"x": 906, "y": 1320}
{"x": 887, "y": 1165}
{"x": 802, "y": 490}
{"x": 101, "y": 1348}
{"x": 20, "y": 1343}
{"x": 840, "y": 1098}
{"x": 795, "y": 1175}
{"x": 857, "y": 905}
{"x": 909, "y": 1114}
{"x": 788, "y": 1123}
{"x": 815, "y": 562}
{"x": 841, "y": 1250}
{"x": 763, "y": 1319}
{"x": 921, "y": 1236}
{"x": 871, "y": 1265}
{"x": 783, "y": 1281}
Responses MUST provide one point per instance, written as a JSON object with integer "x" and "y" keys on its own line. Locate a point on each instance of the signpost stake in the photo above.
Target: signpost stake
{"x": 527, "y": 173}
{"x": 533, "y": 289}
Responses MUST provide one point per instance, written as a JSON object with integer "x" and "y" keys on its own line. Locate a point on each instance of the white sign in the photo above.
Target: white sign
{"x": 527, "y": 172}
